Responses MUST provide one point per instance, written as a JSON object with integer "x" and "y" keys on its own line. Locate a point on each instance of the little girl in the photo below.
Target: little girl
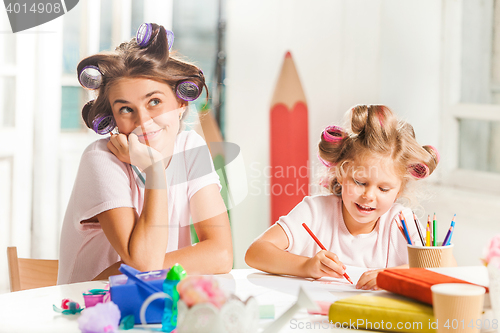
{"x": 368, "y": 168}
{"x": 118, "y": 214}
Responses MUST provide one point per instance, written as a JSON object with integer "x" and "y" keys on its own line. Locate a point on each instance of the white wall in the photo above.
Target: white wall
{"x": 346, "y": 52}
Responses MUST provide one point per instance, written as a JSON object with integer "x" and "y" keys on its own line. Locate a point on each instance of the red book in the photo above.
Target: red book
{"x": 414, "y": 282}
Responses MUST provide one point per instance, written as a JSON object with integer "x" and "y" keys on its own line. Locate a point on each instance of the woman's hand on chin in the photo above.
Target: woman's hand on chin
{"x": 142, "y": 155}
{"x": 118, "y": 145}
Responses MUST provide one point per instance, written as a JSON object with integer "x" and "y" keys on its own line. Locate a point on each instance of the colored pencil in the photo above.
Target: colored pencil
{"x": 288, "y": 114}
{"x": 428, "y": 234}
{"x": 420, "y": 234}
{"x": 405, "y": 228}
{"x": 400, "y": 227}
{"x": 430, "y": 228}
{"x": 448, "y": 234}
{"x": 322, "y": 247}
{"x": 451, "y": 234}
{"x": 434, "y": 230}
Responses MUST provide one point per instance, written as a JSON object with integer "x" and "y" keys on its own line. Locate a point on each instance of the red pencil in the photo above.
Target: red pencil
{"x": 321, "y": 246}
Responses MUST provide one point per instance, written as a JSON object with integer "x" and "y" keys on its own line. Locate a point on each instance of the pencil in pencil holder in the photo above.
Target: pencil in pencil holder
{"x": 430, "y": 256}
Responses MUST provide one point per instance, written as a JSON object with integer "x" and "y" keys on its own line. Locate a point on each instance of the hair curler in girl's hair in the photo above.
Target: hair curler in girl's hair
{"x": 325, "y": 163}
{"x": 143, "y": 35}
{"x": 333, "y": 134}
{"x": 437, "y": 157}
{"x": 187, "y": 90}
{"x": 90, "y": 77}
{"x": 419, "y": 170}
{"x": 103, "y": 124}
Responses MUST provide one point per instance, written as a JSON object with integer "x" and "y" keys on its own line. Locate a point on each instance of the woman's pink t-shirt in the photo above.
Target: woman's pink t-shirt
{"x": 103, "y": 182}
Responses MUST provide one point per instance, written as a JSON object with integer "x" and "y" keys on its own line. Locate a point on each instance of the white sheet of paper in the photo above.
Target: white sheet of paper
{"x": 324, "y": 289}
{"x": 342, "y": 284}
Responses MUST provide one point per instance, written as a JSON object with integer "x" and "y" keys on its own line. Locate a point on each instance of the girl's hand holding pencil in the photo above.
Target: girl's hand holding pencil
{"x": 332, "y": 255}
{"x": 324, "y": 263}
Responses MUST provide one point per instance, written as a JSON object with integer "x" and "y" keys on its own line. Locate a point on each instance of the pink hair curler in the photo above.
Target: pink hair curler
{"x": 438, "y": 157}
{"x": 418, "y": 170}
{"x": 325, "y": 163}
{"x": 333, "y": 134}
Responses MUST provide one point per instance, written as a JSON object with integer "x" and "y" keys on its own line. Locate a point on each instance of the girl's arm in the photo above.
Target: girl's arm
{"x": 212, "y": 255}
{"x": 141, "y": 241}
{"x": 267, "y": 253}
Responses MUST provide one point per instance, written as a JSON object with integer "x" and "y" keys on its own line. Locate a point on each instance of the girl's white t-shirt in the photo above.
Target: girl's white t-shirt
{"x": 103, "y": 182}
{"x": 384, "y": 247}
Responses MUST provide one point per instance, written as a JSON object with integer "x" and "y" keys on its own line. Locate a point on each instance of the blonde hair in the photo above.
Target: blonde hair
{"x": 374, "y": 130}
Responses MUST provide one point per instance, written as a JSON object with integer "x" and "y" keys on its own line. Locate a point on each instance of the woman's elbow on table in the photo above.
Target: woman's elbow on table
{"x": 226, "y": 262}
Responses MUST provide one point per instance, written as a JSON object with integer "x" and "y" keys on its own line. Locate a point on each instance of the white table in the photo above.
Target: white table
{"x": 31, "y": 310}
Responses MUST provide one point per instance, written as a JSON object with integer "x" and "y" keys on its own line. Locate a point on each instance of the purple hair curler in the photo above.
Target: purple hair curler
{"x": 418, "y": 170}
{"x": 333, "y": 134}
{"x": 103, "y": 124}
{"x": 143, "y": 35}
{"x": 90, "y": 77}
{"x": 170, "y": 39}
{"x": 187, "y": 91}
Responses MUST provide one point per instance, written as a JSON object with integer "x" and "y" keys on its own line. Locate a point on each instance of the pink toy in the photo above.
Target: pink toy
{"x": 95, "y": 296}
{"x": 201, "y": 289}
{"x": 492, "y": 249}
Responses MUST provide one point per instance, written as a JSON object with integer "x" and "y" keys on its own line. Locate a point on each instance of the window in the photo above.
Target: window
{"x": 137, "y": 16}
{"x": 106, "y": 26}
{"x": 7, "y": 75}
{"x": 195, "y": 25}
{"x": 72, "y": 94}
{"x": 85, "y": 34}
{"x": 471, "y": 125}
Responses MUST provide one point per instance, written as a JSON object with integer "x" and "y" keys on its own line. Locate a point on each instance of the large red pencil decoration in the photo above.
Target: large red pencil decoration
{"x": 289, "y": 142}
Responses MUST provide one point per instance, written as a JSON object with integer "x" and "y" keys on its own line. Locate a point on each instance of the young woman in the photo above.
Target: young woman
{"x": 118, "y": 214}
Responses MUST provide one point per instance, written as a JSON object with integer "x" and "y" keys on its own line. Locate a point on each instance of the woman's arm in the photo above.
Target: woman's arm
{"x": 267, "y": 253}
{"x": 212, "y": 255}
{"x": 141, "y": 241}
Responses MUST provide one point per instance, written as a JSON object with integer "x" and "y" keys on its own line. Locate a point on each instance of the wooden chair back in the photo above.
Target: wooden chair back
{"x": 30, "y": 273}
